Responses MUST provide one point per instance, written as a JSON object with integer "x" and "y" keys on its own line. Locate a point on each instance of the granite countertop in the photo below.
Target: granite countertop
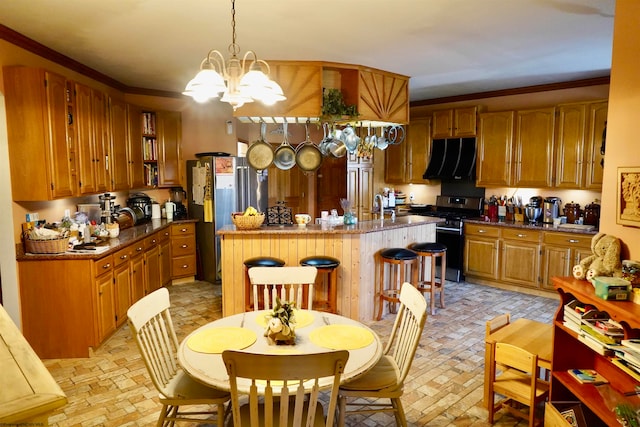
{"x": 126, "y": 237}
{"x": 359, "y": 228}
{"x": 539, "y": 226}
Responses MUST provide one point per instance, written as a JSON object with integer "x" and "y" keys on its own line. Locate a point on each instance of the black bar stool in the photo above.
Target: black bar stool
{"x": 430, "y": 252}
{"x": 329, "y": 267}
{"x": 399, "y": 260}
{"x": 261, "y": 261}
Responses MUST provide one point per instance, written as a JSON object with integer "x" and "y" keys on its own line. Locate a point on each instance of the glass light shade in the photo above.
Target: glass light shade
{"x": 273, "y": 94}
{"x": 206, "y": 85}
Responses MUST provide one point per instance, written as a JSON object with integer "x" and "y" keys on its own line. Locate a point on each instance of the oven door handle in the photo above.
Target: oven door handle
{"x": 447, "y": 230}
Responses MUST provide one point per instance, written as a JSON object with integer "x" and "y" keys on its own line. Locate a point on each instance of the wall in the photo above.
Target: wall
{"x": 622, "y": 126}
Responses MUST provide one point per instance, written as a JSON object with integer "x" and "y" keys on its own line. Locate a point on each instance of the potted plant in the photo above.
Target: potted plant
{"x": 281, "y": 324}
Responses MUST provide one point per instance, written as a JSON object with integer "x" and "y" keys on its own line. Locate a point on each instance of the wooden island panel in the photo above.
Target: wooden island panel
{"x": 355, "y": 246}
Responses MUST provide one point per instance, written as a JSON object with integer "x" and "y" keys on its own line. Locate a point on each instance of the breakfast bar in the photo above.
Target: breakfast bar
{"x": 356, "y": 246}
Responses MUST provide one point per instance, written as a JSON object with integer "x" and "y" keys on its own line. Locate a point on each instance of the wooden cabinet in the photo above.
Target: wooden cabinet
{"x": 405, "y": 163}
{"x": 165, "y": 256}
{"x": 481, "y": 256}
{"x": 135, "y": 163}
{"x": 597, "y": 124}
{"x": 570, "y": 140}
{"x": 569, "y": 353}
{"x": 520, "y": 257}
{"x": 122, "y": 284}
{"x": 495, "y": 142}
{"x": 458, "y": 122}
{"x": 360, "y": 187}
{"x": 119, "y": 145}
{"x": 169, "y": 151}
{"x": 105, "y": 321}
{"x": 533, "y": 148}
{"x": 92, "y": 140}
{"x": 383, "y": 97}
{"x": 183, "y": 251}
{"x": 561, "y": 251}
{"x": 40, "y": 148}
{"x": 290, "y": 187}
{"x": 152, "y": 264}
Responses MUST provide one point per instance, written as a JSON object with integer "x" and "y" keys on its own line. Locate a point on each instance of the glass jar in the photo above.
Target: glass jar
{"x": 350, "y": 218}
{"x": 631, "y": 271}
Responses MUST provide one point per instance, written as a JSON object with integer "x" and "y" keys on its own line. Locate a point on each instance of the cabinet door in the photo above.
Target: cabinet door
{"x": 556, "y": 261}
{"x": 395, "y": 162}
{"x": 383, "y": 97}
{"x": 289, "y": 186}
{"x": 165, "y": 260}
{"x": 495, "y": 149}
{"x": 84, "y": 140}
{"x": 365, "y": 200}
{"x": 101, "y": 139}
{"x": 138, "y": 289}
{"x": 122, "y": 287}
{"x": 597, "y": 125}
{"x": 331, "y": 184}
{"x": 353, "y": 189}
{"x": 533, "y": 156}
{"x": 169, "y": 153}
{"x": 570, "y": 137}
{"x": 465, "y": 121}
{"x": 152, "y": 269}
{"x": 134, "y": 147}
{"x": 118, "y": 160}
{"x": 481, "y": 257}
{"x": 105, "y": 305}
{"x": 40, "y": 151}
{"x": 442, "y": 124}
{"x": 520, "y": 263}
{"x": 418, "y": 143}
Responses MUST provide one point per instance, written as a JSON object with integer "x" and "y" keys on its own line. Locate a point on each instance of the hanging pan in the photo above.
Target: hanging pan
{"x": 285, "y": 155}
{"x": 260, "y": 154}
{"x": 308, "y": 156}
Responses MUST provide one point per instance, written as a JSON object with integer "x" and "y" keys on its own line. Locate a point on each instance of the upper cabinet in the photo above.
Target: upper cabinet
{"x": 458, "y": 122}
{"x": 119, "y": 137}
{"x": 135, "y": 163}
{"x": 495, "y": 143}
{"x": 169, "y": 125}
{"x": 533, "y": 148}
{"x": 41, "y": 152}
{"x": 405, "y": 163}
{"x": 383, "y": 97}
{"x": 596, "y": 130}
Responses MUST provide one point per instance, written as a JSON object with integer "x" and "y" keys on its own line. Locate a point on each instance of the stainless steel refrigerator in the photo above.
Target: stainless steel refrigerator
{"x": 218, "y": 186}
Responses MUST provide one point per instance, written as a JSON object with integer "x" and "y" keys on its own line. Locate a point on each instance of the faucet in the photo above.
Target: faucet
{"x": 378, "y": 199}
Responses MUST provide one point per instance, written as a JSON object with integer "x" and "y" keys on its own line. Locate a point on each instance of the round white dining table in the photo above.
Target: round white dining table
{"x": 208, "y": 367}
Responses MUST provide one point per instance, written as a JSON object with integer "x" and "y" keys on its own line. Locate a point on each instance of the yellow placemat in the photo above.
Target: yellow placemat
{"x": 341, "y": 337}
{"x": 303, "y": 318}
{"x": 217, "y": 340}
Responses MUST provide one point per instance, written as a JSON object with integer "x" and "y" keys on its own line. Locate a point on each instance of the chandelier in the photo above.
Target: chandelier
{"x": 240, "y": 81}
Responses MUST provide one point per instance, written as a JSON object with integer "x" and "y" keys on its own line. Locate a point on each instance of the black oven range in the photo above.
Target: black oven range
{"x": 454, "y": 209}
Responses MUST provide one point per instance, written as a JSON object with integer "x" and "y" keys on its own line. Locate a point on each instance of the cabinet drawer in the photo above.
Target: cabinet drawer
{"x": 121, "y": 256}
{"x": 183, "y": 245}
{"x": 521, "y": 234}
{"x": 103, "y": 265}
{"x": 481, "y": 230}
{"x": 183, "y": 266}
{"x": 568, "y": 239}
{"x": 164, "y": 234}
{"x": 151, "y": 241}
{"x": 137, "y": 248}
{"x": 185, "y": 228}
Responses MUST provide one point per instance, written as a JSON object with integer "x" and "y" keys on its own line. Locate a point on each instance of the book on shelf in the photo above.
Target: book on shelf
{"x": 631, "y": 357}
{"x": 633, "y": 344}
{"x": 588, "y": 376}
{"x": 626, "y": 368}
{"x": 597, "y": 346}
{"x": 588, "y": 327}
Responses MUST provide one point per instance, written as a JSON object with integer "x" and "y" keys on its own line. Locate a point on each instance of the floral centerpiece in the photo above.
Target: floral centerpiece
{"x": 281, "y": 323}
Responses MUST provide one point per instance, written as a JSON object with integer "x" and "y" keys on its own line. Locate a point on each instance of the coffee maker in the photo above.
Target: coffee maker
{"x": 551, "y": 209}
{"x": 177, "y": 195}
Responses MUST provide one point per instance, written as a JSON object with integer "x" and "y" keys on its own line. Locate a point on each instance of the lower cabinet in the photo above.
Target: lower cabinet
{"x": 105, "y": 298}
{"x": 481, "y": 251}
{"x": 521, "y": 256}
{"x": 121, "y": 284}
{"x": 183, "y": 251}
{"x": 152, "y": 264}
{"x": 165, "y": 256}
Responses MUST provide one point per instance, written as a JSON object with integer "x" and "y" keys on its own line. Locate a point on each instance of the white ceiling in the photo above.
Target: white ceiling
{"x": 447, "y": 47}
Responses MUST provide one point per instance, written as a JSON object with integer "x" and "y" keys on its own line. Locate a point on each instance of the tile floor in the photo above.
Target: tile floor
{"x": 444, "y": 386}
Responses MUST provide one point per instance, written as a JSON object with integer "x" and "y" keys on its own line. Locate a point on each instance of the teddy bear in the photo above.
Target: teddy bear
{"x": 604, "y": 260}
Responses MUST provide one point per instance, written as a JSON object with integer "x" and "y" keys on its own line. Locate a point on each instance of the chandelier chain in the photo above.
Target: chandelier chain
{"x": 234, "y": 49}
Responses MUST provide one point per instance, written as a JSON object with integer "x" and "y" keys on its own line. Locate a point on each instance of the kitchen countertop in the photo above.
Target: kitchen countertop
{"x": 539, "y": 226}
{"x": 361, "y": 227}
{"x": 126, "y": 237}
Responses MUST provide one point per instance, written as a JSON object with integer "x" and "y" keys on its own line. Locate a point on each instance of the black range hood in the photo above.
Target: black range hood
{"x": 452, "y": 158}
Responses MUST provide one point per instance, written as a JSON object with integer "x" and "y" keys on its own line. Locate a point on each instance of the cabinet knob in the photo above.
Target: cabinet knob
{"x": 183, "y": 230}
{"x": 522, "y": 235}
{"x": 482, "y": 231}
{"x": 139, "y": 249}
{"x": 107, "y": 265}
{"x": 185, "y": 266}
{"x": 573, "y": 241}
{"x": 184, "y": 246}
{"x": 124, "y": 257}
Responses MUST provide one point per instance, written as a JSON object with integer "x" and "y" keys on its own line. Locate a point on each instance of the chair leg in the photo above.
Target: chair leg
{"x": 432, "y": 288}
{"x": 342, "y": 407}
{"x": 443, "y": 260}
{"x": 401, "y": 420}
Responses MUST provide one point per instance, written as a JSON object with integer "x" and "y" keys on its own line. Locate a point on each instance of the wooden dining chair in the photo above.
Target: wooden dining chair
{"x": 518, "y": 383}
{"x": 498, "y": 322}
{"x": 285, "y": 388}
{"x": 386, "y": 379}
{"x": 287, "y": 283}
{"x": 152, "y": 328}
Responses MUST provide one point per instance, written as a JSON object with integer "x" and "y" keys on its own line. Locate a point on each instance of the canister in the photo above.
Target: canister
{"x": 592, "y": 214}
{"x": 572, "y": 212}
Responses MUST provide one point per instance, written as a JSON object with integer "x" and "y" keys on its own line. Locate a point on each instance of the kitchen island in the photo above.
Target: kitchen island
{"x": 356, "y": 246}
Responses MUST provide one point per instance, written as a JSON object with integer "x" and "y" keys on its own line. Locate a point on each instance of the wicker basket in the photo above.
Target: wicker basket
{"x": 249, "y": 222}
{"x": 51, "y": 246}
